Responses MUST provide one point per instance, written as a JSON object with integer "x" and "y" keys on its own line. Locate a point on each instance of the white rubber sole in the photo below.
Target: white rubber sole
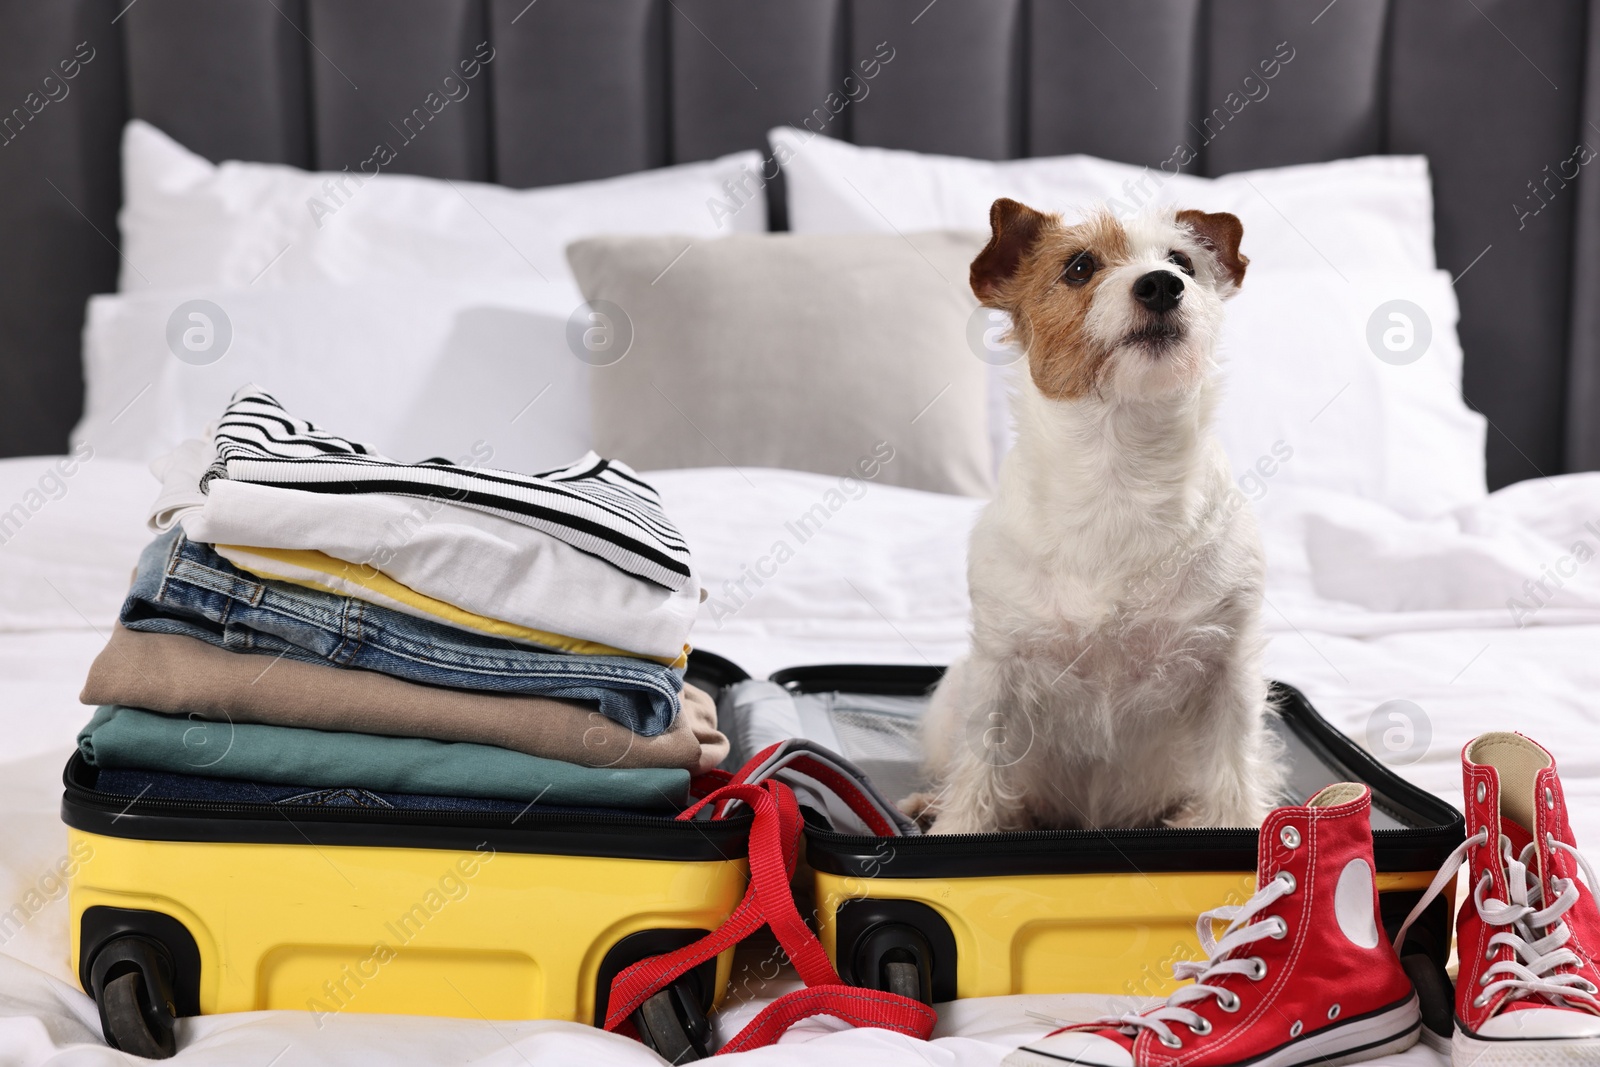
{"x": 1468, "y": 1051}
{"x": 1356, "y": 1041}
{"x": 1440, "y": 1043}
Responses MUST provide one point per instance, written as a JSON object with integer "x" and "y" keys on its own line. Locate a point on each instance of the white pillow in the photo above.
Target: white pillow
{"x": 1306, "y": 400}
{"x": 1374, "y": 213}
{"x": 417, "y": 369}
{"x": 1330, "y": 246}
{"x": 190, "y": 223}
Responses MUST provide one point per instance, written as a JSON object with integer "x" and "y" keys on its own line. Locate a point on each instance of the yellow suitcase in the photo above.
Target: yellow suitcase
{"x": 189, "y": 907}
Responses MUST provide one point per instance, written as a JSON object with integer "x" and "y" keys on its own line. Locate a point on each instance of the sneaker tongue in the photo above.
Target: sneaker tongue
{"x": 1517, "y": 762}
{"x": 1519, "y": 837}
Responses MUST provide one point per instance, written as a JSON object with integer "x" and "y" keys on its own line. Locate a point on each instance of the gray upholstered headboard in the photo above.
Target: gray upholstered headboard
{"x": 1497, "y": 93}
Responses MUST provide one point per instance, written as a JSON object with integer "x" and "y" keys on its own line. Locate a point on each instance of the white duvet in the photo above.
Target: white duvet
{"x": 1485, "y": 618}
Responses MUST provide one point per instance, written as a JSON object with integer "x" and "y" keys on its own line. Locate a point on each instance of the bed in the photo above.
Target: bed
{"x": 591, "y": 89}
{"x": 883, "y": 583}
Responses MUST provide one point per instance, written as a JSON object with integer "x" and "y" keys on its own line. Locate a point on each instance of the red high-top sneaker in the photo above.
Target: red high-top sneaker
{"x": 1302, "y": 974}
{"x": 1528, "y": 933}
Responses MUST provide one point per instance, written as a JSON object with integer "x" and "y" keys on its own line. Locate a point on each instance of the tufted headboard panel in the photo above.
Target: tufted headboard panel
{"x": 1497, "y": 93}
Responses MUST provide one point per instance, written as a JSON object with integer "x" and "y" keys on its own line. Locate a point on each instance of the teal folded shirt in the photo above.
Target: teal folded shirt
{"x": 131, "y": 739}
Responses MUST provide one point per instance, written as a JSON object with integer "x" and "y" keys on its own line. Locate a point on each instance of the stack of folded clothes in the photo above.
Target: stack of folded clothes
{"x": 317, "y": 623}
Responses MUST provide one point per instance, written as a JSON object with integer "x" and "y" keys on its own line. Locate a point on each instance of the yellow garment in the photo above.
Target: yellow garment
{"x": 318, "y": 570}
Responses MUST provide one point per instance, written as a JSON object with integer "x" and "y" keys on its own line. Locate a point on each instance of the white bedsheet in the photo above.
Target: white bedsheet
{"x": 874, "y": 578}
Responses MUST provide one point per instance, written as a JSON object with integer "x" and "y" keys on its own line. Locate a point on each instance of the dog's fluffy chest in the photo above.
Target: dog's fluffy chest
{"x": 1081, "y": 565}
{"x": 1084, "y": 572}
{"x": 1118, "y": 625}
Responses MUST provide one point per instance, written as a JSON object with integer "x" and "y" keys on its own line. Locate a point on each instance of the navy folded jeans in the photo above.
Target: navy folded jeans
{"x": 183, "y": 587}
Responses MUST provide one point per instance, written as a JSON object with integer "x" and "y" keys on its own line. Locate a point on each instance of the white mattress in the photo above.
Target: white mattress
{"x": 883, "y": 581}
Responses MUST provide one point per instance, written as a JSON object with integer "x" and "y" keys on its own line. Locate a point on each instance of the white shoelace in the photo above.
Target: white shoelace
{"x": 1537, "y": 937}
{"x": 1240, "y": 931}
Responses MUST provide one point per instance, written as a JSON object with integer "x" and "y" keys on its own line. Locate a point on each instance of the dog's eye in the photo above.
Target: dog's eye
{"x": 1080, "y": 268}
{"x": 1181, "y": 261}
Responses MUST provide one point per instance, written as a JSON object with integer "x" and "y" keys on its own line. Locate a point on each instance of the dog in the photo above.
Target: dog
{"x": 1114, "y": 677}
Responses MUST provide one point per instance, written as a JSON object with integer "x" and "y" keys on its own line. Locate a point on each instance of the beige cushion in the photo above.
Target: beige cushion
{"x": 809, "y": 352}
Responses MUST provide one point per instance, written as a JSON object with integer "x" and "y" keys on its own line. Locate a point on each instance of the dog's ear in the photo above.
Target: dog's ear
{"x": 1014, "y": 230}
{"x": 1220, "y": 233}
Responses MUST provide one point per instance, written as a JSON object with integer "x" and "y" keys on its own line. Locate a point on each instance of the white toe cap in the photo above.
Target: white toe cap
{"x": 1536, "y": 1023}
{"x": 1073, "y": 1047}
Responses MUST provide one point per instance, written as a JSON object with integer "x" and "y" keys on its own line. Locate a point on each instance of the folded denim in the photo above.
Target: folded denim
{"x": 122, "y": 738}
{"x": 479, "y": 562}
{"x": 318, "y": 570}
{"x": 178, "y": 675}
{"x": 184, "y": 587}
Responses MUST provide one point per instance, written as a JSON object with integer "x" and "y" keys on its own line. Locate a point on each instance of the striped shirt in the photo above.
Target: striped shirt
{"x": 595, "y": 505}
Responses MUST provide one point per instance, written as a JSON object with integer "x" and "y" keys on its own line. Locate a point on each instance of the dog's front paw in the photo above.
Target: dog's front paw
{"x": 950, "y": 823}
{"x": 922, "y": 808}
{"x": 1185, "y": 818}
{"x": 959, "y": 821}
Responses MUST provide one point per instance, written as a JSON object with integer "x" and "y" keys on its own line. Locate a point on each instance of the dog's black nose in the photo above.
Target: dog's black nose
{"x": 1160, "y": 290}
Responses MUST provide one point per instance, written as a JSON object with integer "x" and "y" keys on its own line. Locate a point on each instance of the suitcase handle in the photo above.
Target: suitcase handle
{"x": 774, "y": 850}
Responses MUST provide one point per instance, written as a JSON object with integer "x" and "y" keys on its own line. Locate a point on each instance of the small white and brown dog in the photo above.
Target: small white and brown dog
{"x": 1114, "y": 678}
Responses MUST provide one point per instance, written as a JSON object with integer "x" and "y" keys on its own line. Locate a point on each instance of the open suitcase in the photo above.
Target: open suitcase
{"x": 941, "y": 917}
{"x": 188, "y": 907}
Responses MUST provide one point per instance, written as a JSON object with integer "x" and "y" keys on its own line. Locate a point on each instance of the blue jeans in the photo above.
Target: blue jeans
{"x": 183, "y": 587}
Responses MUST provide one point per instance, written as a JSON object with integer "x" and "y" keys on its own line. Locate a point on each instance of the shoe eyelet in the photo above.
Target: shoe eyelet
{"x": 1202, "y": 1030}
{"x": 1490, "y": 953}
{"x": 1296, "y": 1029}
{"x": 1290, "y": 837}
{"x": 1258, "y": 969}
{"x": 1483, "y": 793}
{"x": 1228, "y": 1001}
{"x": 1288, "y": 879}
{"x": 1485, "y": 978}
{"x": 1481, "y": 1001}
{"x": 1333, "y": 1012}
{"x": 1282, "y": 930}
{"x": 1550, "y": 798}
{"x": 1171, "y": 1040}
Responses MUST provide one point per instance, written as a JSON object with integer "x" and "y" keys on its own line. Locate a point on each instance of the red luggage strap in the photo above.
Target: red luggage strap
{"x": 774, "y": 850}
{"x": 839, "y": 784}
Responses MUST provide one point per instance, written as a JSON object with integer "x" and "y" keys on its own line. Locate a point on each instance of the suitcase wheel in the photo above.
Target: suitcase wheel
{"x": 673, "y": 1024}
{"x": 896, "y": 957}
{"x": 903, "y": 978}
{"x": 1435, "y": 996}
{"x": 131, "y": 982}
